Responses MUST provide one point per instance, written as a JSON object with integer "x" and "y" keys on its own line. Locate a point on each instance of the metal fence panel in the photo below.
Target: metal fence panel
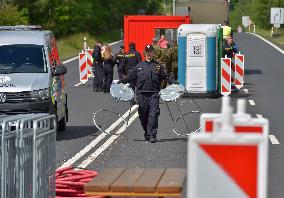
{"x": 44, "y": 157}
{"x": 8, "y": 145}
{"x": 27, "y": 156}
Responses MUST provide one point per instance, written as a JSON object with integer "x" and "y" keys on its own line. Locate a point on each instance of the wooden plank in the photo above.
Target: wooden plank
{"x": 149, "y": 180}
{"x": 172, "y": 181}
{"x": 132, "y": 194}
{"x": 103, "y": 181}
{"x": 127, "y": 180}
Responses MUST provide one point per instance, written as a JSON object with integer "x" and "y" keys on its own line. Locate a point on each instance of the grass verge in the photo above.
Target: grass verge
{"x": 70, "y": 46}
{"x": 278, "y": 38}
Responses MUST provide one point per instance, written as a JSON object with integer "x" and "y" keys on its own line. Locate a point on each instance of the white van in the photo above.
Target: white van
{"x": 31, "y": 73}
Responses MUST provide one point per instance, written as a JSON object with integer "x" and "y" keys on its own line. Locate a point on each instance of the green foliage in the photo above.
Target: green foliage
{"x": 66, "y": 17}
{"x": 258, "y": 10}
{"x": 10, "y": 15}
{"x": 69, "y": 46}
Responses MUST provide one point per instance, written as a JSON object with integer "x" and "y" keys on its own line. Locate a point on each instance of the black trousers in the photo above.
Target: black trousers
{"x": 149, "y": 112}
{"x": 121, "y": 72}
{"x": 108, "y": 76}
{"x": 99, "y": 76}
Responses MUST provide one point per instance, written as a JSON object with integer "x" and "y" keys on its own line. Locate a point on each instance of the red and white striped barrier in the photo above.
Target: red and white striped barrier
{"x": 89, "y": 61}
{"x": 83, "y": 70}
{"x": 233, "y": 70}
{"x": 225, "y": 76}
{"x": 240, "y": 70}
{"x": 227, "y": 164}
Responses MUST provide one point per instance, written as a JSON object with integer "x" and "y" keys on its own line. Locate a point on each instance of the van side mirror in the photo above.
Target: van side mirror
{"x": 60, "y": 70}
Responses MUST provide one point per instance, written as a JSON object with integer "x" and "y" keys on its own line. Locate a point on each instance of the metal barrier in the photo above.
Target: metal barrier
{"x": 28, "y": 156}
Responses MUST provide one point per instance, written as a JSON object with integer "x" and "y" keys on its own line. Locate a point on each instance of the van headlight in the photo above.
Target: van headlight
{"x": 42, "y": 94}
{"x": 34, "y": 94}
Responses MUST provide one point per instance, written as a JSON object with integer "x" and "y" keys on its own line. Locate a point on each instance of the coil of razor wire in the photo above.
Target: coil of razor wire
{"x": 173, "y": 93}
{"x": 119, "y": 92}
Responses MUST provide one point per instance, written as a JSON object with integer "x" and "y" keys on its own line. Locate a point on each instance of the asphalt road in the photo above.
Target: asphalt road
{"x": 127, "y": 148}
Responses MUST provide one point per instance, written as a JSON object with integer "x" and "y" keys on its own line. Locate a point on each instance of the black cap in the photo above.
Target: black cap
{"x": 121, "y": 47}
{"x": 132, "y": 45}
{"x": 149, "y": 48}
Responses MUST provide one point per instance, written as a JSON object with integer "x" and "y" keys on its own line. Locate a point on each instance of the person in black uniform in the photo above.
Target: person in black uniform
{"x": 133, "y": 57}
{"x": 108, "y": 64}
{"x": 120, "y": 58}
{"x": 147, "y": 76}
{"x": 97, "y": 67}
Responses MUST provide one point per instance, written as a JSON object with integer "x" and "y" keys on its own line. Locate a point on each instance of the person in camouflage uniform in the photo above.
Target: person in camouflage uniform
{"x": 157, "y": 50}
{"x": 165, "y": 61}
{"x": 165, "y": 58}
{"x": 173, "y": 53}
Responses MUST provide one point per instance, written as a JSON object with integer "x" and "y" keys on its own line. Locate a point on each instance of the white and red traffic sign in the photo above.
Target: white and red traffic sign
{"x": 230, "y": 161}
{"x": 225, "y": 76}
{"x": 242, "y": 122}
{"x": 211, "y": 123}
{"x": 83, "y": 70}
{"x": 227, "y": 165}
{"x": 239, "y": 70}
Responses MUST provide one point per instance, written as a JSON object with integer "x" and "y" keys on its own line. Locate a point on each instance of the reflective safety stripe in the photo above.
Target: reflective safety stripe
{"x": 226, "y": 31}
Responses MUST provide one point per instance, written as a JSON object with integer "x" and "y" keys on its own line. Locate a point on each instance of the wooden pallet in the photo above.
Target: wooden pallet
{"x": 137, "y": 183}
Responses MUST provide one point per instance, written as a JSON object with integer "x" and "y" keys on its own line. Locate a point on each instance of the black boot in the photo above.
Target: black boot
{"x": 153, "y": 140}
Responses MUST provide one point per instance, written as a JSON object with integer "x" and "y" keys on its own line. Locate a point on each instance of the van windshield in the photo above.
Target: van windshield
{"x": 22, "y": 59}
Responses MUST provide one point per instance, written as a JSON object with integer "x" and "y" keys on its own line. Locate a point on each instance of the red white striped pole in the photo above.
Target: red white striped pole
{"x": 226, "y": 76}
{"x": 83, "y": 71}
{"x": 89, "y": 61}
{"x": 233, "y": 71}
{"x": 240, "y": 70}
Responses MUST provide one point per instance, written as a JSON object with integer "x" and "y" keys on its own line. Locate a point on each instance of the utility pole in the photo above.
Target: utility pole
{"x": 228, "y": 7}
{"x": 165, "y": 7}
{"x": 174, "y": 7}
{"x": 3, "y": 3}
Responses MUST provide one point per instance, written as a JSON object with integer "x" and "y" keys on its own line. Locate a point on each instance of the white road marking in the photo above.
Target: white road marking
{"x": 246, "y": 90}
{"x": 78, "y": 84}
{"x": 70, "y": 60}
{"x": 259, "y": 116}
{"x": 251, "y": 102}
{"x": 273, "y": 139}
{"x": 97, "y": 140}
{"x": 273, "y": 45}
{"x": 94, "y": 155}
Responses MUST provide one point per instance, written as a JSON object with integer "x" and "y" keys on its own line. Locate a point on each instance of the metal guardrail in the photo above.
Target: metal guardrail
{"x": 27, "y": 156}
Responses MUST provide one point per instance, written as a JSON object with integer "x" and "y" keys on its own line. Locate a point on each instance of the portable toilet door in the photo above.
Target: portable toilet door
{"x": 196, "y": 62}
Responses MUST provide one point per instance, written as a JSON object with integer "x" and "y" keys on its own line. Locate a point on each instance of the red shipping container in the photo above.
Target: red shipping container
{"x": 141, "y": 29}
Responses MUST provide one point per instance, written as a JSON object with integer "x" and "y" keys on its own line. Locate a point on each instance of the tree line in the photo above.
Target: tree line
{"x": 258, "y": 10}
{"x": 66, "y": 17}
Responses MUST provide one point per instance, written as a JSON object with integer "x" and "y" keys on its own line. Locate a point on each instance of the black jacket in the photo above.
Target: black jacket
{"x": 121, "y": 61}
{"x": 133, "y": 57}
{"x": 230, "y": 50}
{"x": 97, "y": 55}
{"x": 109, "y": 64}
{"x": 148, "y": 76}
